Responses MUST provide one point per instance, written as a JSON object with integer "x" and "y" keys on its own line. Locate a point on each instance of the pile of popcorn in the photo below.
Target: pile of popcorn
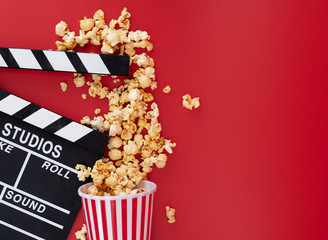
{"x": 136, "y": 144}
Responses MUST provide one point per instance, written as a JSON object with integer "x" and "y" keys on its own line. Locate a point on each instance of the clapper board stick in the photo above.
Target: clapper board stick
{"x": 64, "y": 61}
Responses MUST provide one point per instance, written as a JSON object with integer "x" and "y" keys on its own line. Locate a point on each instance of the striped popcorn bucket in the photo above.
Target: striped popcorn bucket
{"x": 119, "y": 218}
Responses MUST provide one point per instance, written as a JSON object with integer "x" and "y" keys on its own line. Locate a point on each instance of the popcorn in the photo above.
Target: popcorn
{"x": 161, "y": 161}
{"x": 130, "y": 46}
{"x": 143, "y": 60}
{"x": 83, "y": 172}
{"x": 107, "y": 48}
{"x": 136, "y": 144}
{"x": 111, "y": 181}
{"x": 115, "y": 129}
{"x": 82, "y": 39}
{"x": 79, "y": 79}
{"x": 63, "y": 86}
{"x": 82, "y": 234}
{"x": 97, "y": 110}
{"x": 87, "y": 24}
{"x": 123, "y": 20}
{"x": 86, "y": 120}
{"x": 112, "y": 37}
{"x": 98, "y": 124}
{"x": 189, "y": 102}
{"x": 170, "y": 214}
{"x": 138, "y": 36}
{"x": 69, "y": 42}
{"x": 94, "y": 36}
{"x": 115, "y": 154}
{"x": 167, "y": 89}
{"x": 61, "y": 28}
{"x": 131, "y": 148}
{"x": 99, "y": 15}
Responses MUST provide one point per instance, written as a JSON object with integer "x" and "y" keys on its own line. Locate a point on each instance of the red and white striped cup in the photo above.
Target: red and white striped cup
{"x": 119, "y": 218}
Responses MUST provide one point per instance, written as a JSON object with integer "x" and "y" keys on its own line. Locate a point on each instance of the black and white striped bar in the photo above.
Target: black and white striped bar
{"x": 52, "y": 122}
{"x": 64, "y": 61}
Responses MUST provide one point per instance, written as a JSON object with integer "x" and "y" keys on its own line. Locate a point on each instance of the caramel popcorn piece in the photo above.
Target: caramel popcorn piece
{"x": 61, "y": 28}
{"x": 170, "y": 214}
{"x": 123, "y": 20}
{"x": 87, "y": 24}
{"x": 143, "y": 60}
{"x": 63, "y": 86}
{"x": 189, "y": 102}
{"x": 82, "y": 39}
{"x": 84, "y": 96}
{"x": 79, "y": 79}
{"x": 82, "y": 234}
{"x": 115, "y": 142}
{"x": 97, "y": 110}
{"x": 115, "y": 154}
{"x": 83, "y": 172}
{"x": 167, "y": 89}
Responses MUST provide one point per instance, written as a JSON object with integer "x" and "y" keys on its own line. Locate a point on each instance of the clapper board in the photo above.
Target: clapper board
{"x": 39, "y": 150}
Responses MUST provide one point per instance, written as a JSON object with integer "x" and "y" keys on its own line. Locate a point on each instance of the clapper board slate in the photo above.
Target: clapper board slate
{"x": 64, "y": 61}
{"x": 38, "y": 184}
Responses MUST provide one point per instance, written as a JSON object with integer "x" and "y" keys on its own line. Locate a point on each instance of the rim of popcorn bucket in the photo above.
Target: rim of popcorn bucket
{"x": 152, "y": 188}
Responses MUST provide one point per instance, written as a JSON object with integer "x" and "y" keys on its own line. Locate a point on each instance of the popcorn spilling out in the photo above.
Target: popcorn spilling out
{"x": 136, "y": 144}
{"x": 82, "y": 234}
{"x": 170, "y": 214}
{"x": 189, "y": 102}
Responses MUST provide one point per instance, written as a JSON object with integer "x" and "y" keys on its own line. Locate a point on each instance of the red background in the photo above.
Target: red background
{"x": 251, "y": 162}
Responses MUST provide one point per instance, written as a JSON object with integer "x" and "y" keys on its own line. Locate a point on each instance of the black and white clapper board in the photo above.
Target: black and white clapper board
{"x": 38, "y": 153}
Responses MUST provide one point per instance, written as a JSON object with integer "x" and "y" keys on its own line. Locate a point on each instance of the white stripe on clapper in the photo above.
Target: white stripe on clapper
{"x": 42, "y": 118}
{"x": 25, "y": 58}
{"x": 12, "y": 104}
{"x": 59, "y": 61}
{"x": 2, "y": 62}
{"x": 93, "y": 63}
{"x": 3, "y": 192}
{"x": 33, "y": 215}
{"x": 22, "y": 170}
{"x": 21, "y": 230}
{"x": 73, "y": 131}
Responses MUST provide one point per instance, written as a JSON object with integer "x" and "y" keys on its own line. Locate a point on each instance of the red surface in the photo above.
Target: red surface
{"x": 251, "y": 162}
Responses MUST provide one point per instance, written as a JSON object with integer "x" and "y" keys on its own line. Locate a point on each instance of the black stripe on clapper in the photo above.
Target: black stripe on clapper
{"x": 42, "y": 60}
{"x": 8, "y": 57}
{"x": 3, "y": 94}
{"x": 58, "y": 124}
{"x": 95, "y": 141}
{"x": 76, "y": 62}
{"x": 27, "y": 111}
{"x": 116, "y": 64}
